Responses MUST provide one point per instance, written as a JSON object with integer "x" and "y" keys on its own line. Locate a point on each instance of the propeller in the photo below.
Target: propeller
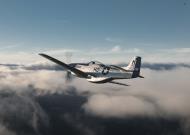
{"x": 68, "y": 76}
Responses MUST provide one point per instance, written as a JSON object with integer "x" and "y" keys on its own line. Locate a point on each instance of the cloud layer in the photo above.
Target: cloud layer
{"x": 39, "y": 100}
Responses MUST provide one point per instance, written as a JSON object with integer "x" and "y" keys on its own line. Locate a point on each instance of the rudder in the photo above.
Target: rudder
{"x": 137, "y": 67}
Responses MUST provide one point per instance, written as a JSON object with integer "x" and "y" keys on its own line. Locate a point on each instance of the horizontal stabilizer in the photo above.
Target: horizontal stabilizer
{"x": 119, "y": 83}
{"x": 141, "y": 76}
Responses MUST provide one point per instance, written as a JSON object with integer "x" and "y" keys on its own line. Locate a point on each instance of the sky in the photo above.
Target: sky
{"x": 34, "y": 96}
{"x": 106, "y": 30}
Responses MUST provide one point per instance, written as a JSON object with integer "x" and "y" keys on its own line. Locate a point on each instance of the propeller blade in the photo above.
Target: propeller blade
{"x": 119, "y": 83}
{"x": 68, "y": 77}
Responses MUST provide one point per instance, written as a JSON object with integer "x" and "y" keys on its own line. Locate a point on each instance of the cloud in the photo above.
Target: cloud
{"x": 20, "y": 113}
{"x": 61, "y": 51}
{"x": 118, "y": 106}
{"x": 116, "y": 49}
{"x": 164, "y": 66}
{"x": 115, "y": 54}
{"x": 7, "y": 46}
{"x": 173, "y": 55}
{"x": 133, "y": 50}
{"x": 85, "y": 108}
{"x": 19, "y": 57}
{"x": 177, "y": 50}
{"x": 42, "y": 66}
{"x": 55, "y": 67}
{"x": 113, "y": 40}
{"x": 5, "y": 131}
{"x": 53, "y": 82}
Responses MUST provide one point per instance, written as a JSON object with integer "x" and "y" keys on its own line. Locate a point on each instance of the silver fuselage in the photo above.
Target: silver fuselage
{"x": 101, "y": 73}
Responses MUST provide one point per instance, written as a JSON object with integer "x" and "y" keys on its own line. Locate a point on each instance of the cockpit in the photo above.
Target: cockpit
{"x": 95, "y": 63}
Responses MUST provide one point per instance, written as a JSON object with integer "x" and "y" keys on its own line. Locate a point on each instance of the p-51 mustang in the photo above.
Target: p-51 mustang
{"x": 97, "y": 72}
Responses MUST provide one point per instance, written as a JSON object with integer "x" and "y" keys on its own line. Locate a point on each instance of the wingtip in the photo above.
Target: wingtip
{"x": 42, "y": 54}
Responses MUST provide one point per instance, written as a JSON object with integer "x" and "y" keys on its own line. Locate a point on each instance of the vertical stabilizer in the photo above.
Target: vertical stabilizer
{"x": 134, "y": 66}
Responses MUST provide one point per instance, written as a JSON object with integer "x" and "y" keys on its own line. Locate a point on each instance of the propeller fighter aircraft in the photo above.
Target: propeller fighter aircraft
{"x": 97, "y": 72}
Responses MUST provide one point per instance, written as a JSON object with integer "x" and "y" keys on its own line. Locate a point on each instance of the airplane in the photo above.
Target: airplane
{"x": 97, "y": 72}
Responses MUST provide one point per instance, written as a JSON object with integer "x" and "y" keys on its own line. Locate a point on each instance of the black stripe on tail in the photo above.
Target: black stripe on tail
{"x": 136, "y": 72}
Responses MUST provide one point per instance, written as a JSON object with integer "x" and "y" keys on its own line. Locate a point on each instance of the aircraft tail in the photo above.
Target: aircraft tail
{"x": 134, "y": 66}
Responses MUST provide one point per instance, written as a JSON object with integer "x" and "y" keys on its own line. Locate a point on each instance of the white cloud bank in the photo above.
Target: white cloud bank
{"x": 161, "y": 93}
{"x": 115, "y": 54}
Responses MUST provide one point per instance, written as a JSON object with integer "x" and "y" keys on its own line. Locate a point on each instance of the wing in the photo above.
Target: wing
{"x": 118, "y": 83}
{"x": 72, "y": 69}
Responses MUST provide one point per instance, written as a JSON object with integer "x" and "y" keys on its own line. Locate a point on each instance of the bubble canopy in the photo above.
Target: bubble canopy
{"x": 95, "y": 63}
